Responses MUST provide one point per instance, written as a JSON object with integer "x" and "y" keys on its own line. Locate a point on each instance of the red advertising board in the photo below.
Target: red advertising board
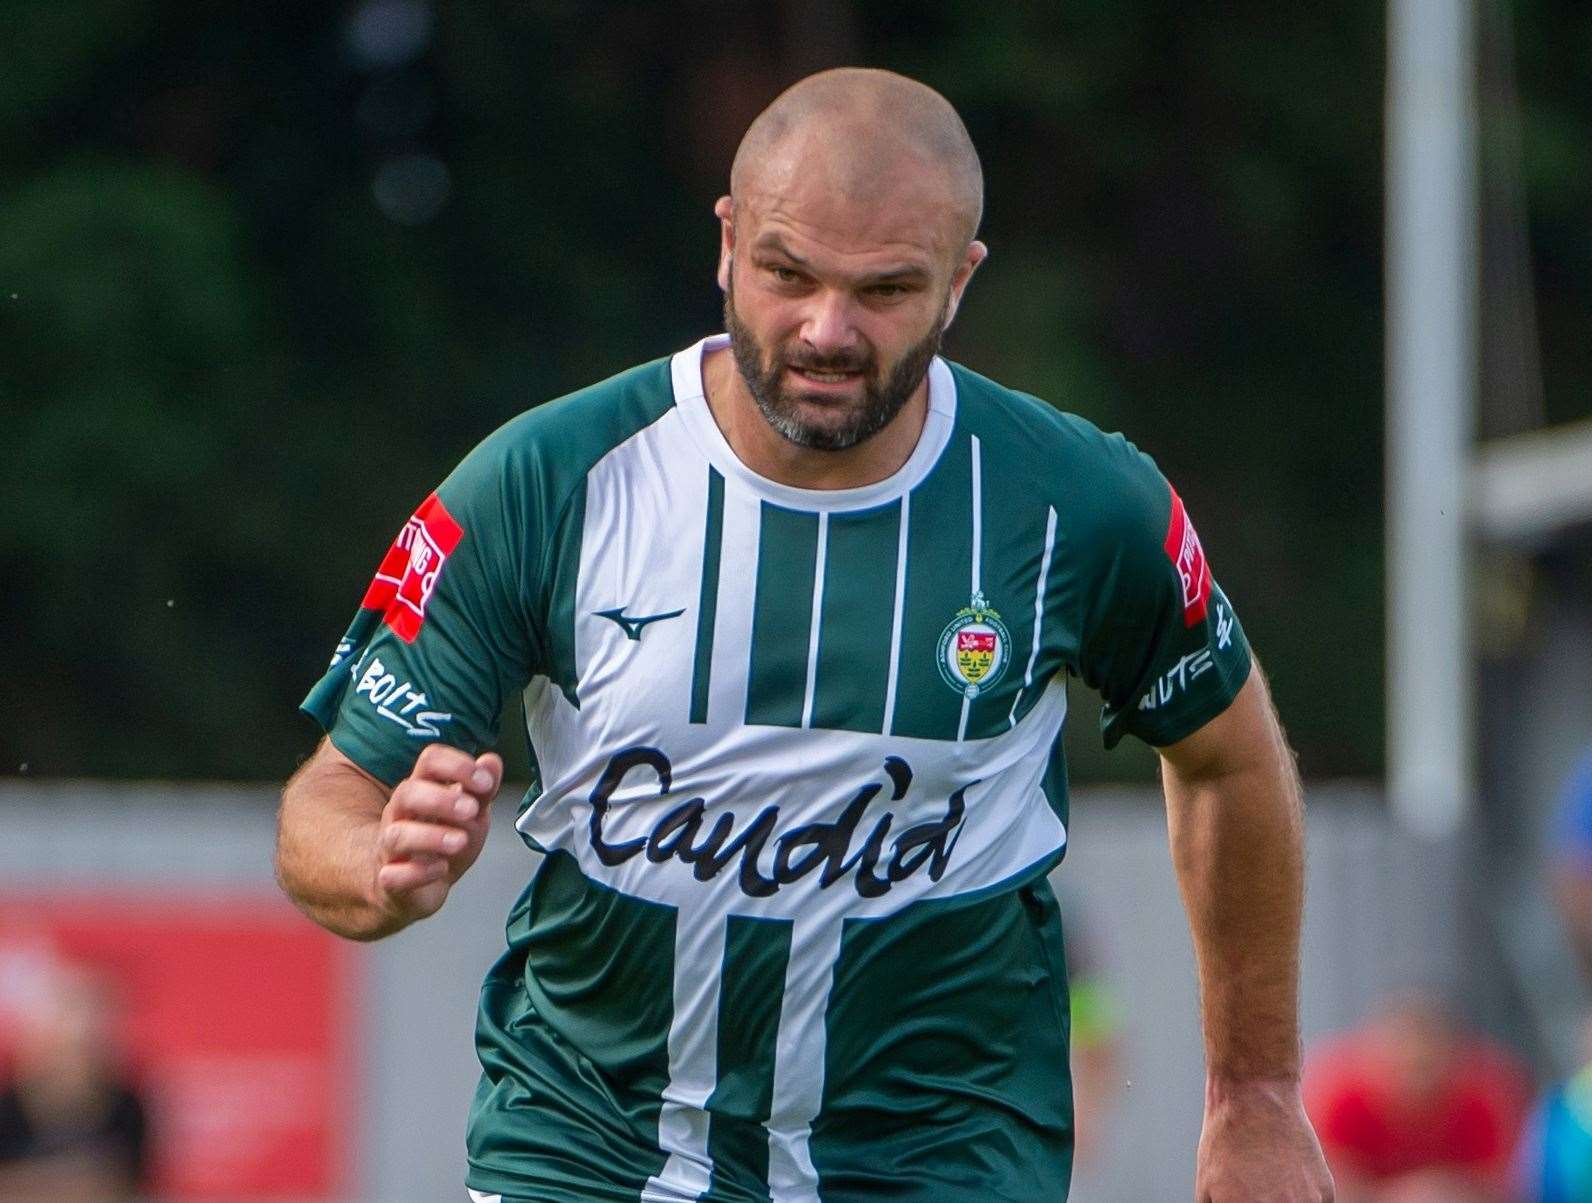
{"x": 235, "y": 1016}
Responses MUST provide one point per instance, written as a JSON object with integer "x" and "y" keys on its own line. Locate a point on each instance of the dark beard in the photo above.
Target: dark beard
{"x": 881, "y": 402}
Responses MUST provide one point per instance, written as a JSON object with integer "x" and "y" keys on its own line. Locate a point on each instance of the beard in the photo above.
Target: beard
{"x": 884, "y": 393}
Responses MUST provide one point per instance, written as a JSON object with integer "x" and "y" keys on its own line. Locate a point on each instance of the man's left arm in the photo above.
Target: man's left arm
{"x": 1236, "y": 821}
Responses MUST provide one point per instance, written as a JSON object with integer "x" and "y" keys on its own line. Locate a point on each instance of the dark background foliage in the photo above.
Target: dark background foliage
{"x": 267, "y": 271}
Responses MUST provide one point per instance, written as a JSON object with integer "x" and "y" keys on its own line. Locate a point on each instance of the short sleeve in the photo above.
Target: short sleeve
{"x": 1160, "y": 641}
{"x": 445, "y": 633}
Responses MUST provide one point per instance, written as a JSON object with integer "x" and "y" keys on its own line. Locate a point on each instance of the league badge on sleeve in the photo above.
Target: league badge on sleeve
{"x": 408, "y": 574}
{"x": 1188, "y": 557}
{"x": 974, "y": 648}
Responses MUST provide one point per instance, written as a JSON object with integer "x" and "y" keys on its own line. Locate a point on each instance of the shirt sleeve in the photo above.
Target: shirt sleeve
{"x": 1160, "y": 641}
{"x": 445, "y": 633}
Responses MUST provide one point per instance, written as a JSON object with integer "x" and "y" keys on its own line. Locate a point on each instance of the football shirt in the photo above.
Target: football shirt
{"x": 799, "y": 779}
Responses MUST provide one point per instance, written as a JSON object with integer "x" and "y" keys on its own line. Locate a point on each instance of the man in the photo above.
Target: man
{"x": 1413, "y": 1108}
{"x": 73, "y": 1127}
{"x": 794, "y": 611}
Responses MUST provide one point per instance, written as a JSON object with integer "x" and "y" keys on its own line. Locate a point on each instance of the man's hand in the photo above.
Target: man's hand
{"x": 1257, "y": 1146}
{"x": 364, "y": 859}
{"x": 432, "y": 830}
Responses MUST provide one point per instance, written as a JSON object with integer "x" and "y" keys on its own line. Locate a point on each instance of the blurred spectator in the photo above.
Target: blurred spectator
{"x": 72, "y": 1128}
{"x": 1555, "y": 1161}
{"x": 1411, "y": 1108}
{"x": 1570, "y": 859}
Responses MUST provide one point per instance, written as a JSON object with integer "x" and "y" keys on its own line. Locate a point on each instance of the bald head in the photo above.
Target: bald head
{"x": 864, "y": 133}
{"x": 845, "y": 246}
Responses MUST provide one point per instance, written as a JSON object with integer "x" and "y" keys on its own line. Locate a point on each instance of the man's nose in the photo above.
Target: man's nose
{"x": 830, "y": 328}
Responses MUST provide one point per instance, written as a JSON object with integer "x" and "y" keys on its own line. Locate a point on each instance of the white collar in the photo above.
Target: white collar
{"x": 690, "y": 396}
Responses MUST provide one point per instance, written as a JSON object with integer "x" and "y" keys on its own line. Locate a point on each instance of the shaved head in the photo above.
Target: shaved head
{"x": 864, "y": 132}
{"x": 845, "y": 245}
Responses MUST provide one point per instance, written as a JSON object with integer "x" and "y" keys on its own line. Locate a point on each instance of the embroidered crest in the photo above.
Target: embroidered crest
{"x": 974, "y": 648}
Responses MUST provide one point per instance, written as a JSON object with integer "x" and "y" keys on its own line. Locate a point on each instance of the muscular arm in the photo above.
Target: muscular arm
{"x": 326, "y": 856}
{"x": 1236, "y": 824}
{"x": 364, "y": 861}
{"x": 1235, "y": 818}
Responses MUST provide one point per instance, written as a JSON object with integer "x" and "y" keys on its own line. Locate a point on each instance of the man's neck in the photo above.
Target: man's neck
{"x": 770, "y": 454}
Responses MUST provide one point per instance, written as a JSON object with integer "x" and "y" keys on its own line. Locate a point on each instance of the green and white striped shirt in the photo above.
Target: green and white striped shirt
{"x": 799, "y": 780}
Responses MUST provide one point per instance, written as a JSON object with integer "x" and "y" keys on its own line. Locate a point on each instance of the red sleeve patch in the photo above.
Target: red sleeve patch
{"x": 408, "y": 573}
{"x": 1188, "y": 557}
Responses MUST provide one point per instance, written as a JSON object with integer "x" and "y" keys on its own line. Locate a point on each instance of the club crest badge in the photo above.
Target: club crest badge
{"x": 974, "y": 648}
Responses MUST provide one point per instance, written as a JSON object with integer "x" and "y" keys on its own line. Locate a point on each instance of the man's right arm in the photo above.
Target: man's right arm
{"x": 363, "y": 860}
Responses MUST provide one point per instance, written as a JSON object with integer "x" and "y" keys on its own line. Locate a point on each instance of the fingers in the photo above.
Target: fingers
{"x": 415, "y": 889}
{"x": 414, "y": 864}
{"x": 448, "y": 785}
{"x": 479, "y": 775}
{"x": 441, "y": 763}
{"x": 406, "y": 876}
{"x": 433, "y": 827}
{"x": 407, "y": 839}
{"x": 433, "y": 801}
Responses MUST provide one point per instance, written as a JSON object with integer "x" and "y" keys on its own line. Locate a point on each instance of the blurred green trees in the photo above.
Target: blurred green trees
{"x": 266, "y": 272}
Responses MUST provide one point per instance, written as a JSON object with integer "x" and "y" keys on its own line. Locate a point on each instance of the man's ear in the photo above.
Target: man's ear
{"x": 724, "y": 210}
{"x": 977, "y": 252}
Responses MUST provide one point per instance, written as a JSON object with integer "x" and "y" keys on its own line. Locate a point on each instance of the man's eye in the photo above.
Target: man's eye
{"x": 785, "y": 275}
{"x": 887, "y": 290}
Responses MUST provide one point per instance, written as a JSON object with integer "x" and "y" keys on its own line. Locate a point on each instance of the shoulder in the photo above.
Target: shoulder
{"x": 571, "y": 433}
{"x": 1098, "y": 480}
{"x": 542, "y": 454}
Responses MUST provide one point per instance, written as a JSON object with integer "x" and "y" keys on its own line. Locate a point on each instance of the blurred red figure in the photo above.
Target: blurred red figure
{"x": 1411, "y": 1108}
{"x": 72, "y": 1129}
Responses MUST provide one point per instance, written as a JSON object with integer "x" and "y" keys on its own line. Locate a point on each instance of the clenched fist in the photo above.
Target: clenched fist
{"x": 432, "y": 829}
{"x": 1257, "y": 1146}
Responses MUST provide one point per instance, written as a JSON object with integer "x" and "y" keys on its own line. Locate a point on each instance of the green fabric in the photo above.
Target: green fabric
{"x": 939, "y": 583}
{"x": 782, "y": 621}
{"x": 573, "y": 1036}
{"x": 756, "y": 953}
{"x": 947, "y": 1023}
{"x": 858, "y": 608}
{"x": 946, "y": 1070}
{"x": 1019, "y": 465}
{"x": 1114, "y": 605}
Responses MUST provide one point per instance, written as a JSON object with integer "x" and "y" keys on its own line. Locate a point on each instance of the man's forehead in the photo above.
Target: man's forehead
{"x": 852, "y": 187}
{"x": 809, "y": 222}
{"x": 863, "y": 246}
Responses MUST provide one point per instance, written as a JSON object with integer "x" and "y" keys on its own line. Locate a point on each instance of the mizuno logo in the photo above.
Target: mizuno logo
{"x": 632, "y": 626}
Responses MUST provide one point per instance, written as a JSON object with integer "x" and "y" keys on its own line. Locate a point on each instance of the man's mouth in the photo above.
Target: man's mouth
{"x": 819, "y": 376}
